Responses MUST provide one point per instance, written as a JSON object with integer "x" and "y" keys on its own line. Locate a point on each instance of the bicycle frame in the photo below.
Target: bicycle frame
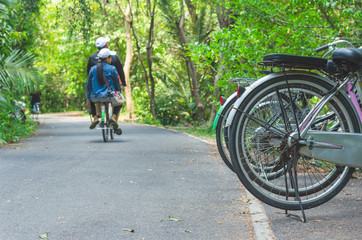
{"x": 105, "y": 115}
{"x": 339, "y": 148}
{"x": 336, "y": 147}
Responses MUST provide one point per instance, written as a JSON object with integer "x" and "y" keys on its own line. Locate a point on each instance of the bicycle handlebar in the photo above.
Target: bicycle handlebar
{"x": 329, "y": 45}
{"x": 322, "y": 48}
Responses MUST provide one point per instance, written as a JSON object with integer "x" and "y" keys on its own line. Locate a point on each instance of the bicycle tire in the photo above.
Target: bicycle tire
{"x": 222, "y": 138}
{"x": 222, "y": 134}
{"x": 105, "y": 135}
{"x": 105, "y": 130}
{"x": 317, "y": 183}
{"x": 109, "y": 115}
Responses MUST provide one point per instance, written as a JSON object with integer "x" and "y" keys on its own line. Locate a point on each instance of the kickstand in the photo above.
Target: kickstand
{"x": 294, "y": 183}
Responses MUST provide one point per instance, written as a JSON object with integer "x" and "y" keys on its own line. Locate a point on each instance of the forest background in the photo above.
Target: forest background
{"x": 178, "y": 55}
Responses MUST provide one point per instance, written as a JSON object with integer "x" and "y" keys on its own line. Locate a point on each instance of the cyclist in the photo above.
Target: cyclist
{"x": 101, "y": 43}
{"x": 35, "y": 99}
{"x": 97, "y": 85}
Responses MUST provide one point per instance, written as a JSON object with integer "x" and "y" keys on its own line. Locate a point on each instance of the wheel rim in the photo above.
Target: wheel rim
{"x": 315, "y": 182}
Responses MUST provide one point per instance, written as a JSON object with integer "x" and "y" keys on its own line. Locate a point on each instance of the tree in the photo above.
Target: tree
{"x": 149, "y": 79}
{"x": 127, "y": 18}
{"x": 257, "y": 28}
{"x": 176, "y": 21}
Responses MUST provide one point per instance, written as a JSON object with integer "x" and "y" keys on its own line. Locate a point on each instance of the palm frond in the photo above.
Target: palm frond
{"x": 169, "y": 14}
{"x": 15, "y": 72}
{"x": 204, "y": 25}
{"x": 5, "y": 4}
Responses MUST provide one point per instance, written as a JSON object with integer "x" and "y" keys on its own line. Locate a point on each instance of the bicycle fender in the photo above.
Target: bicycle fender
{"x": 262, "y": 80}
{"x": 230, "y": 98}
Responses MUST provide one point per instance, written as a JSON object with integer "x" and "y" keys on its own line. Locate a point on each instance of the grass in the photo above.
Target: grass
{"x": 203, "y": 131}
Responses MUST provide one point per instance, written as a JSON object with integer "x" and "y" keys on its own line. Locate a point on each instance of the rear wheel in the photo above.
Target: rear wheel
{"x": 259, "y": 150}
{"x": 105, "y": 130}
{"x": 222, "y": 138}
{"x": 105, "y": 135}
{"x": 111, "y": 133}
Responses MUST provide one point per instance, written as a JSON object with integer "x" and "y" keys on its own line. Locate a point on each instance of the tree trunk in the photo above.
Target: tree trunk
{"x": 149, "y": 57}
{"x": 149, "y": 80}
{"x": 224, "y": 22}
{"x": 216, "y": 90}
{"x": 129, "y": 55}
{"x": 191, "y": 66}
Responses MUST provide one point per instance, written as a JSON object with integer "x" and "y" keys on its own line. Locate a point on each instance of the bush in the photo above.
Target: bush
{"x": 13, "y": 129}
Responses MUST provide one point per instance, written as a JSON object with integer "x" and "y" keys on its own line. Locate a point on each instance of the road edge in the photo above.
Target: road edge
{"x": 259, "y": 219}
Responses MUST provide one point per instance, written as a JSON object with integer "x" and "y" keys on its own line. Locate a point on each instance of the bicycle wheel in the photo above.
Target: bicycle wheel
{"x": 258, "y": 139}
{"x": 105, "y": 126}
{"x": 222, "y": 138}
{"x": 109, "y": 115}
{"x": 105, "y": 134}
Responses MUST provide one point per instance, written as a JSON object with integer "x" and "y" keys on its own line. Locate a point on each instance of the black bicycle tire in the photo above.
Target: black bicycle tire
{"x": 105, "y": 131}
{"x": 105, "y": 135}
{"x": 220, "y": 127}
{"x": 224, "y": 152}
{"x": 248, "y": 182}
{"x": 111, "y": 130}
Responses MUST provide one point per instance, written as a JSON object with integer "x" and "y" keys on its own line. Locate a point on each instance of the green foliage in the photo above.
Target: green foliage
{"x": 11, "y": 128}
{"x": 262, "y": 27}
{"x": 17, "y": 75}
{"x": 69, "y": 28}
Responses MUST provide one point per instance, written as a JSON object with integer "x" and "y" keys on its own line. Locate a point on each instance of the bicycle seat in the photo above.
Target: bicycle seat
{"x": 293, "y": 61}
{"x": 348, "y": 55}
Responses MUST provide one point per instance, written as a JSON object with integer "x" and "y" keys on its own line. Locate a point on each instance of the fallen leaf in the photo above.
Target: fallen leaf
{"x": 171, "y": 218}
{"x": 128, "y": 230}
{"x": 243, "y": 199}
{"x": 44, "y": 236}
{"x": 188, "y": 231}
{"x": 319, "y": 220}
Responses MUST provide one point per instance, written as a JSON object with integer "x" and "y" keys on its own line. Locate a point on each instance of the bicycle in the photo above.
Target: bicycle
{"x": 222, "y": 139}
{"x": 36, "y": 108}
{"x": 301, "y": 124}
{"x": 106, "y": 114}
{"x": 107, "y": 129}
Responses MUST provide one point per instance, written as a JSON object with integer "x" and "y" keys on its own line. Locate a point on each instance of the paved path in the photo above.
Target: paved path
{"x": 67, "y": 183}
{"x": 340, "y": 218}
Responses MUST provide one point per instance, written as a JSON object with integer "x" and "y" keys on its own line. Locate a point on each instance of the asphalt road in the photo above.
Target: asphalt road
{"x": 149, "y": 183}
{"x": 340, "y": 218}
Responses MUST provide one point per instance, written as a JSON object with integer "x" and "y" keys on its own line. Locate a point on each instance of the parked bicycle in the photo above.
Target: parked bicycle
{"x": 222, "y": 138}
{"x": 293, "y": 133}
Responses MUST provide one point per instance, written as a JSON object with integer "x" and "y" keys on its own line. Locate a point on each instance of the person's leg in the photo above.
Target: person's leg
{"x": 117, "y": 117}
{"x": 93, "y": 111}
{"x": 116, "y": 111}
{"x": 96, "y": 114}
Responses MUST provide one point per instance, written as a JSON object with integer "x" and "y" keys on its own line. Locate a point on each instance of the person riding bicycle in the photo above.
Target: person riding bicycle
{"x": 101, "y": 43}
{"x": 35, "y": 99}
{"x": 99, "y": 77}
